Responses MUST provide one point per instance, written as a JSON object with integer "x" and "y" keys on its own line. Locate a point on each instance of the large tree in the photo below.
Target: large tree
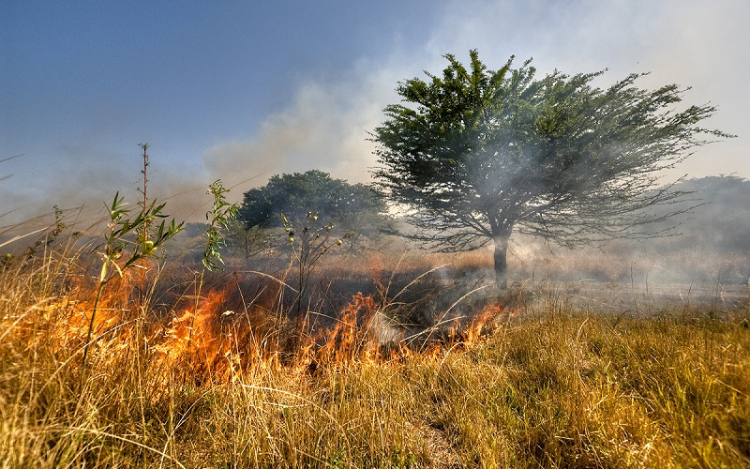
{"x": 476, "y": 154}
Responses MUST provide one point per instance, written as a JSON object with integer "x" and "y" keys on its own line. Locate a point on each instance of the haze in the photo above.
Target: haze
{"x": 245, "y": 90}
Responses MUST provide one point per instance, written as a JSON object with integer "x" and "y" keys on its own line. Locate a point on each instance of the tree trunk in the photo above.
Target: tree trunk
{"x": 501, "y": 261}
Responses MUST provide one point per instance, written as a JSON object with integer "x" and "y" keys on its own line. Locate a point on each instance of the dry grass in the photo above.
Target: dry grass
{"x": 179, "y": 380}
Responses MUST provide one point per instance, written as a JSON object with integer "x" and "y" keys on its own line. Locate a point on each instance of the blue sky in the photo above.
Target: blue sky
{"x": 245, "y": 90}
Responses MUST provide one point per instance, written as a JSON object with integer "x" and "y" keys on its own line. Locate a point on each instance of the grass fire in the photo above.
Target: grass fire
{"x": 397, "y": 360}
{"x": 306, "y": 326}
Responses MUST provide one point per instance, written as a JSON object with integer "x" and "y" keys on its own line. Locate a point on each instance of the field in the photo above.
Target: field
{"x": 394, "y": 361}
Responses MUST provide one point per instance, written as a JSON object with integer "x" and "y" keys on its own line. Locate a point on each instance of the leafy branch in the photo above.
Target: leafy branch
{"x": 119, "y": 253}
{"x": 219, "y": 217}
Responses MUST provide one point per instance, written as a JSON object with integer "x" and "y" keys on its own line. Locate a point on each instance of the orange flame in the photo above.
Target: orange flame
{"x": 220, "y": 334}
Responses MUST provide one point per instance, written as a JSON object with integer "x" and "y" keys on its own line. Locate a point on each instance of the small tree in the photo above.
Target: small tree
{"x": 220, "y": 216}
{"x": 247, "y": 243}
{"x": 351, "y": 207}
{"x": 119, "y": 253}
{"x": 476, "y": 154}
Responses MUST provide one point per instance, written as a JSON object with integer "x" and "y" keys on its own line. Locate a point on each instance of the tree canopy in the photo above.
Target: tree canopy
{"x": 475, "y": 154}
{"x": 295, "y": 195}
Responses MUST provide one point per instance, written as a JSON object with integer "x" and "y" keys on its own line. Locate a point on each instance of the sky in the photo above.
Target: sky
{"x": 243, "y": 90}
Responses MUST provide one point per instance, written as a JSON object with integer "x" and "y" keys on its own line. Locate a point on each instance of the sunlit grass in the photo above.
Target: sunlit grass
{"x": 179, "y": 380}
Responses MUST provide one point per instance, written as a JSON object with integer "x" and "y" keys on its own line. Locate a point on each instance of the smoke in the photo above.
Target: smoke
{"x": 326, "y": 124}
{"x": 73, "y": 179}
{"x": 83, "y": 177}
{"x": 325, "y": 128}
{"x": 691, "y": 43}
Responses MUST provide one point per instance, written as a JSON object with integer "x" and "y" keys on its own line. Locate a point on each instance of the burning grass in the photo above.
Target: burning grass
{"x": 192, "y": 372}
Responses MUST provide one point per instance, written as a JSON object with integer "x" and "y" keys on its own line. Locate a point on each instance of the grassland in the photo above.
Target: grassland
{"x": 212, "y": 372}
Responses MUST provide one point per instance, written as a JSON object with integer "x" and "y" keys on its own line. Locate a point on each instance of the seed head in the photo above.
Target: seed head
{"x": 148, "y": 247}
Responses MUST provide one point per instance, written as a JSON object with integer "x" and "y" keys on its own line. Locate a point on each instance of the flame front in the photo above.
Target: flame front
{"x": 218, "y": 334}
